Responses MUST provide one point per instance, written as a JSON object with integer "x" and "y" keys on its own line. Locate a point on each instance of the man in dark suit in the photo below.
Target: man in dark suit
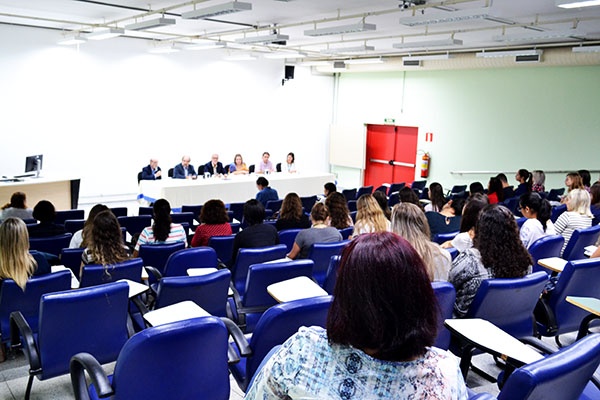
{"x": 214, "y": 166}
{"x": 151, "y": 171}
{"x": 184, "y": 170}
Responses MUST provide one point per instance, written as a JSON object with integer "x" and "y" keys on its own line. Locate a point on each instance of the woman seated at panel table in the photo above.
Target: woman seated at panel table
{"x": 238, "y": 166}
{"x": 374, "y": 346}
{"x": 497, "y": 252}
{"x": 319, "y": 232}
{"x": 291, "y": 215}
{"x": 214, "y": 222}
{"x": 163, "y": 230}
{"x": 290, "y": 163}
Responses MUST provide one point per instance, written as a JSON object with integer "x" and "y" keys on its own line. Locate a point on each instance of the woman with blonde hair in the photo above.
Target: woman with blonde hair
{"x": 15, "y": 261}
{"x": 409, "y": 221}
{"x": 369, "y": 216}
{"x": 577, "y": 216}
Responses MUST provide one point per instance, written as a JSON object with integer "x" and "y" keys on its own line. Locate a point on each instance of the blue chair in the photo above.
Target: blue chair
{"x": 545, "y": 247}
{"x": 352, "y": 205}
{"x": 183, "y": 217}
{"x": 135, "y": 224}
{"x": 145, "y": 211}
{"x": 223, "y": 245}
{"x": 51, "y": 244}
{"x": 395, "y": 188}
{"x": 238, "y": 210}
{"x": 363, "y": 190}
{"x": 194, "y": 209}
{"x": 446, "y": 295}
{"x": 275, "y": 326}
{"x": 197, "y": 257}
{"x": 580, "y": 239}
{"x": 393, "y": 199}
{"x": 418, "y": 185}
{"x": 63, "y": 215}
{"x": 331, "y": 276}
{"x": 71, "y": 258}
{"x": 208, "y": 291}
{"x": 181, "y": 360}
{"x": 274, "y": 205}
{"x": 554, "y": 194}
{"x": 349, "y": 194}
{"x": 119, "y": 211}
{"x": 457, "y": 189}
{"x": 250, "y": 305}
{"x": 43, "y": 266}
{"x": 513, "y": 205}
{"x": 74, "y": 225}
{"x": 521, "y": 221}
{"x": 554, "y": 315}
{"x": 156, "y": 256}
{"x": 353, "y": 216}
{"x": 440, "y": 238}
{"x": 321, "y": 254}
{"x": 383, "y": 189}
{"x": 95, "y": 274}
{"x": 556, "y": 211}
{"x": 453, "y": 252}
{"x": 565, "y": 374}
{"x": 93, "y": 320}
{"x": 247, "y": 257}
{"x": 347, "y": 232}
{"x": 308, "y": 202}
{"x": 235, "y": 227}
{"x": 287, "y": 237}
{"x": 13, "y": 298}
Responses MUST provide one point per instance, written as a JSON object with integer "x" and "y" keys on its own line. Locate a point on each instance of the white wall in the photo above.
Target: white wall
{"x": 101, "y": 111}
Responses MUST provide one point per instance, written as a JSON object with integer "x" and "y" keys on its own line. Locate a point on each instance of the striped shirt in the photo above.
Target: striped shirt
{"x": 177, "y": 234}
{"x": 568, "y": 222}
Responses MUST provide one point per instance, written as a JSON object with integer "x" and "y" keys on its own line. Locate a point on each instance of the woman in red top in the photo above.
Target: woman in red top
{"x": 495, "y": 192}
{"x": 214, "y": 222}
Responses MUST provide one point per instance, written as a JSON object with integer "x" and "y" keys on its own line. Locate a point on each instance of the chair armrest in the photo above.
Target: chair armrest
{"x": 538, "y": 344}
{"x": 82, "y": 362}
{"x": 238, "y": 337}
{"x": 542, "y": 307}
{"x": 221, "y": 264}
{"x": 19, "y": 328}
{"x": 155, "y": 272}
{"x": 482, "y": 396}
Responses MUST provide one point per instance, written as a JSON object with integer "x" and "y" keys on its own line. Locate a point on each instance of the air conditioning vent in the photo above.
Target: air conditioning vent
{"x": 528, "y": 58}
{"x": 411, "y": 63}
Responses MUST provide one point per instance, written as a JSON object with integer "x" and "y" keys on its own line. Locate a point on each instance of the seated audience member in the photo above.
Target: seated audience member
{"x": 586, "y": 178}
{"x": 506, "y": 188}
{"x": 436, "y": 195}
{"x": 339, "y": 214}
{"x": 409, "y": 222}
{"x": 327, "y": 189}
{"x": 290, "y": 163}
{"x": 538, "y": 179}
{"x": 17, "y": 207}
{"x": 319, "y": 232}
{"x": 538, "y": 223}
{"x": 573, "y": 181}
{"x": 382, "y": 200}
{"x": 265, "y": 192}
{"x": 447, "y": 220}
{"x": 374, "y": 346}
{"x": 105, "y": 244}
{"x": 45, "y": 213}
{"x": 256, "y": 234}
{"x": 577, "y": 216}
{"x": 468, "y": 219}
{"x": 524, "y": 178}
{"x": 369, "y": 216}
{"x": 162, "y": 230}
{"x": 16, "y": 262}
{"x": 497, "y": 252}
{"x": 495, "y": 192}
{"x": 264, "y": 165}
{"x": 214, "y": 221}
{"x": 407, "y": 195}
{"x": 184, "y": 170}
{"x": 595, "y": 202}
{"x": 80, "y": 238}
{"x": 291, "y": 215}
{"x": 476, "y": 187}
{"x": 238, "y": 167}
{"x": 152, "y": 171}
{"x": 214, "y": 166}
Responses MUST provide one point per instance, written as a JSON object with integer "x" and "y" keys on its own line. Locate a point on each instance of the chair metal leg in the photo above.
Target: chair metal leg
{"x": 29, "y": 384}
{"x": 584, "y": 327}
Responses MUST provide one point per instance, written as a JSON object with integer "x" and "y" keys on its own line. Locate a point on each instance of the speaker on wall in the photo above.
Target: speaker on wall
{"x": 289, "y": 72}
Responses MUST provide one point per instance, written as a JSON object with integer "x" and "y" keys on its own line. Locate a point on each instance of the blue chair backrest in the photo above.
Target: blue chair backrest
{"x": 521, "y": 221}
{"x": 331, "y": 276}
{"x": 195, "y": 351}
{"x": 453, "y": 252}
{"x": 208, "y": 291}
{"x": 563, "y": 374}
{"x": 74, "y": 225}
{"x": 145, "y": 211}
{"x": 96, "y": 274}
{"x": 63, "y": 215}
{"x": 135, "y": 224}
{"x": 181, "y": 217}
{"x": 556, "y": 211}
{"x": 321, "y": 254}
{"x": 156, "y": 255}
{"x": 287, "y": 237}
{"x": 346, "y": 232}
{"x": 349, "y": 194}
{"x": 509, "y": 303}
{"x": 92, "y": 320}
{"x": 235, "y": 227}
{"x": 197, "y": 257}
{"x": 580, "y": 239}
{"x": 353, "y": 216}
{"x": 274, "y": 205}
{"x": 554, "y": 194}
{"x": 512, "y": 204}
{"x": 545, "y": 247}
{"x": 458, "y": 189}
{"x": 395, "y": 187}
{"x": 382, "y": 189}
{"x": 418, "y": 185}
{"x": 363, "y": 190}
{"x": 194, "y": 209}
{"x": 223, "y": 245}
{"x": 352, "y": 205}
{"x": 247, "y": 257}
{"x": 51, "y": 244}
{"x": 43, "y": 266}
{"x": 577, "y": 279}
{"x": 446, "y": 295}
{"x": 444, "y": 237}
{"x": 13, "y": 298}
{"x": 308, "y": 202}
{"x": 238, "y": 210}
{"x": 71, "y": 258}
{"x": 119, "y": 211}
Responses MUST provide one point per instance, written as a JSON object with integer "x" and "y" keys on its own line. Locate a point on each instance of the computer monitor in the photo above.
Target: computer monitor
{"x": 34, "y": 164}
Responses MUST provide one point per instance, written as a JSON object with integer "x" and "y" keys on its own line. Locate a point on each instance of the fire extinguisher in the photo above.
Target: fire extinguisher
{"x": 425, "y": 165}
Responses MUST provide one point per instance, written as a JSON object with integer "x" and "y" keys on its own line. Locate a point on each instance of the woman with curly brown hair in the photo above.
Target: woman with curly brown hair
{"x": 497, "y": 252}
{"x": 105, "y": 242}
{"x": 339, "y": 213}
{"x": 214, "y": 222}
{"x": 292, "y": 214}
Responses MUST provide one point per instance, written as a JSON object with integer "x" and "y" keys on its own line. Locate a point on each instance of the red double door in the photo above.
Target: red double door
{"x": 391, "y": 154}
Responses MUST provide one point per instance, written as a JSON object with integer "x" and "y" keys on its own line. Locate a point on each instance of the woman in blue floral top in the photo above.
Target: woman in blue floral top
{"x": 380, "y": 331}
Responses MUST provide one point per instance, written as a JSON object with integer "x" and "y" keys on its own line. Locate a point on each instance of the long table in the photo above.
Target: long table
{"x": 62, "y": 192}
{"x": 232, "y": 189}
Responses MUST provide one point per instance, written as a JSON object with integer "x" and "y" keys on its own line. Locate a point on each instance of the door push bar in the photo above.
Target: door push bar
{"x": 392, "y": 162}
